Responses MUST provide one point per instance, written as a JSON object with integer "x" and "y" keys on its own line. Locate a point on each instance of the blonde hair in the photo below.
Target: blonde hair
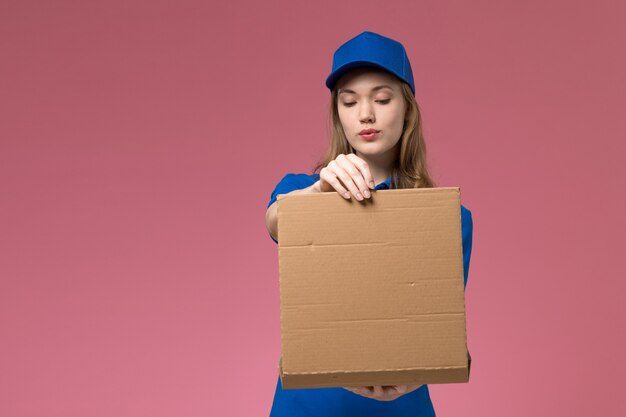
{"x": 410, "y": 170}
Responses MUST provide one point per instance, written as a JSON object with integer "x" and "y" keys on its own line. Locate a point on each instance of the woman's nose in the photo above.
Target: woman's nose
{"x": 366, "y": 114}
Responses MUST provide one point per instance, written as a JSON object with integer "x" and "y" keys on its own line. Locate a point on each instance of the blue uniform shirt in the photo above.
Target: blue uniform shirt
{"x": 336, "y": 402}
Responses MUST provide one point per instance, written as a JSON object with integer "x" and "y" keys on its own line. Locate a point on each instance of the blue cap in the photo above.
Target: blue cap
{"x": 370, "y": 49}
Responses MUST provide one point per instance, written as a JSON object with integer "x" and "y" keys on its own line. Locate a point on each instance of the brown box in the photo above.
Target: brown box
{"x": 371, "y": 293}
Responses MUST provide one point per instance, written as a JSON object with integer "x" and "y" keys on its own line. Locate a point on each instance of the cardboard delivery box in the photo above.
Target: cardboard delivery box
{"x": 371, "y": 292}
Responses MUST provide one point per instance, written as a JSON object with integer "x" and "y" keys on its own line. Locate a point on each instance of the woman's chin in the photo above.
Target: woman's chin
{"x": 370, "y": 149}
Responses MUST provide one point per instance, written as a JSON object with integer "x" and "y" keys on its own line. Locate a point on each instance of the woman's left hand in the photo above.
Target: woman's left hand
{"x": 383, "y": 393}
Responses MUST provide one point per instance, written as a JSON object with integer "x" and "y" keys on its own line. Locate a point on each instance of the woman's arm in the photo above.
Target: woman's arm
{"x": 271, "y": 215}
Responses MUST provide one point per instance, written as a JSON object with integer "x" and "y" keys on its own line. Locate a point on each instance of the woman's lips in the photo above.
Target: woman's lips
{"x": 369, "y": 136}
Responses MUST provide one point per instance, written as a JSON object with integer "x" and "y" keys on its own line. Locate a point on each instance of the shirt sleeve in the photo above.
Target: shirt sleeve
{"x": 288, "y": 183}
{"x": 467, "y": 231}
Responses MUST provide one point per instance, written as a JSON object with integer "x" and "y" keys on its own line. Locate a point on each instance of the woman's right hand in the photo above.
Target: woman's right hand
{"x": 383, "y": 393}
{"x": 347, "y": 174}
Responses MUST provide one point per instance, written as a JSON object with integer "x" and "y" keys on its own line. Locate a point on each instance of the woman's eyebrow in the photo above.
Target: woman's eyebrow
{"x": 378, "y": 87}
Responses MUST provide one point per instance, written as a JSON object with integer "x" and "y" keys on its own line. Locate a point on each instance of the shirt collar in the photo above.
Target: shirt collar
{"x": 385, "y": 185}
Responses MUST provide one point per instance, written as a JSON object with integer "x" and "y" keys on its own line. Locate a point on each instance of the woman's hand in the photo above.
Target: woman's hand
{"x": 347, "y": 174}
{"x": 383, "y": 393}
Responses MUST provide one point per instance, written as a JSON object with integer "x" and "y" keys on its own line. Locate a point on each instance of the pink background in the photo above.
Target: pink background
{"x": 140, "y": 142}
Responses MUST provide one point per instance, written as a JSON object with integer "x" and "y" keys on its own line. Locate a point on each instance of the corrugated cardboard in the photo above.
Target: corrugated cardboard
{"x": 371, "y": 292}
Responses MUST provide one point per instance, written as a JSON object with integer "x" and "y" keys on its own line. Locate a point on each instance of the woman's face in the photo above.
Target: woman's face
{"x": 369, "y": 98}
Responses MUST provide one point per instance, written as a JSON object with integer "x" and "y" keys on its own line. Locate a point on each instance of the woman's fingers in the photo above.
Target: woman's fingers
{"x": 348, "y": 175}
{"x": 401, "y": 389}
{"x": 340, "y": 180}
{"x": 383, "y": 393}
{"x": 344, "y": 176}
{"x": 354, "y": 167}
{"x": 328, "y": 175}
{"x": 364, "y": 391}
{"x": 348, "y": 170}
{"x": 364, "y": 168}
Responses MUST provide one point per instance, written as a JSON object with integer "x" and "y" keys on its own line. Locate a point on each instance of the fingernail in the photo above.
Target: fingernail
{"x": 359, "y": 196}
{"x": 367, "y": 193}
{"x": 372, "y": 185}
{"x": 346, "y": 195}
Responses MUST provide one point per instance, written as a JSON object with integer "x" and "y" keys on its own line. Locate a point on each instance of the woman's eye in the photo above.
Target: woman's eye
{"x": 377, "y": 101}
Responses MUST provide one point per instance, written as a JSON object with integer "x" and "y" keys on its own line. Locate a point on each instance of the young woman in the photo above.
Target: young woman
{"x": 376, "y": 143}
